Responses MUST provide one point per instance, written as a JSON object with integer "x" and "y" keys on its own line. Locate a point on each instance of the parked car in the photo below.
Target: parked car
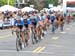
{"x": 1, "y": 24}
{"x": 7, "y": 24}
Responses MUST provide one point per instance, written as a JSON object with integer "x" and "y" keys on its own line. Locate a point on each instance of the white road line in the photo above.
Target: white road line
{"x": 10, "y": 51}
{"x": 63, "y": 32}
{"x": 5, "y": 36}
{"x": 73, "y": 54}
{"x": 57, "y": 45}
{"x": 70, "y": 26}
{"x": 67, "y": 28}
{"x": 55, "y": 38}
{"x": 14, "y": 51}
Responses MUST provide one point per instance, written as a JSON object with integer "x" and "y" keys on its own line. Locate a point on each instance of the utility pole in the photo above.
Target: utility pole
{"x": 8, "y": 2}
{"x": 18, "y": 2}
{"x": 64, "y": 7}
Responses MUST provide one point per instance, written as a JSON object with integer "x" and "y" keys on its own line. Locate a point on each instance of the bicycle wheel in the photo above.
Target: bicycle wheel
{"x": 18, "y": 43}
{"x": 32, "y": 37}
{"x": 25, "y": 41}
{"x": 40, "y": 33}
{"x": 35, "y": 38}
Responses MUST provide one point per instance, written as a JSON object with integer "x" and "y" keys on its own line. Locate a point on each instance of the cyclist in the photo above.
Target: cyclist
{"x": 19, "y": 27}
{"x": 41, "y": 25}
{"x": 52, "y": 20}
{"x": 61, "y": 20}
{"x": 27, "y": 24}
{"x": 34, "y": 25}
{"x": 46, "y": 22}
{"x": 57, "y": 22}
{"x": 48, "y": 17}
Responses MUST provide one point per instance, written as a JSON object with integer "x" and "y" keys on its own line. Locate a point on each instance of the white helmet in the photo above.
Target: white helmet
{"x": 25, "y": 17}
{"x": 32, "y": 17}
{"x": 18, "y": 18}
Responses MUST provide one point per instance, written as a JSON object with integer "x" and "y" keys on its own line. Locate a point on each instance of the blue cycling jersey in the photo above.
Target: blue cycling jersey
{"x": 36, "y": 18}
{"x": 43, "y": 17}
{"x": 52, "y": 18}
{"x": 34, "y": 21}
{"x": 16, "y": 23}
{"x": 28, "y": 21}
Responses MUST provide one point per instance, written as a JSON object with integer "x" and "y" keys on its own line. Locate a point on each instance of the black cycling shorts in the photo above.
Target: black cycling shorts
{"x": 34, "y": 23}
{"x": 26, "y": 26}
{"x": 20, "y": 26}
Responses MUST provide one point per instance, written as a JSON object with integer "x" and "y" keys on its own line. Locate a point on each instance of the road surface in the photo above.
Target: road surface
{"x": 58, "y": 44}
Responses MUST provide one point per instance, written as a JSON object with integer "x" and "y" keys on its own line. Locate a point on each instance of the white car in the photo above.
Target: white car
{"x": 1, "y": 24}
{"x": 7, "y": 24}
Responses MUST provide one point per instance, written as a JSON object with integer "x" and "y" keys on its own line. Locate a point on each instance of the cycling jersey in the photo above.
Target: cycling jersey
{"x": 19, "y": 23}
{"x": 26, "y": 23}
{"x": 36, "y": 18}
{"x": 34, "y": 22}
{"x": 52, "y": 18}
{"x": 43, "y": 18}
{"x": 48, "y": 17}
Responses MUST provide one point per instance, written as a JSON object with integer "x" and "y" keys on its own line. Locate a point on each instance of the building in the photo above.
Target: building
{"x": 71, "y": 3}
{"x": 21, "y": 3}
{"x": 60, "y": 2}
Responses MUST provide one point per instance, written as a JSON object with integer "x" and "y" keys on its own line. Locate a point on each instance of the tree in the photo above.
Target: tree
{"x": 40, "y": 4}
{"x": 54, "y": 2}
{"x": 32, "y": 3}
{"x": 4, "y": 2}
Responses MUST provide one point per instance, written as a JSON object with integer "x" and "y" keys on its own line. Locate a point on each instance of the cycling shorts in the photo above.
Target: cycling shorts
{"x": 20, "y": 26}
{"x": 26, "y": 26}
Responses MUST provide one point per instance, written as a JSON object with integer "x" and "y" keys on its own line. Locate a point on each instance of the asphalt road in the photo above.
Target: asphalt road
{"x": 58, "y": 44}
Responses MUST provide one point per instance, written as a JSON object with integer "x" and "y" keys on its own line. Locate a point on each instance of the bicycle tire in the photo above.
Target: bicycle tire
{"x": 18, "y": 42}
{"x": 25, "y": 41}
{"x": 17, "y": 45}
{"x": 32, "y": 37}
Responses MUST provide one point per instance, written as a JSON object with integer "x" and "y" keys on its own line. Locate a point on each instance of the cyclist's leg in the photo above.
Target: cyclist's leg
{"x": 28, "y": 36}
{"x": 36, "y": 29}
{"x": 12, "y": 29}
{"x": 53, "y": 27}
{"x": 46, "y": 22}
{"x": 61, "y": 27}
{"x": 42, "y": 30}
{"x": 22, "y": 33}
{"x": 39, "y": 30}
{"x": 17, "y": 29}
{"x": 22, "y": 36}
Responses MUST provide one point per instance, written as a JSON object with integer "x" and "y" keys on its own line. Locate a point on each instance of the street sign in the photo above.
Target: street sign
{"x": 32, "y": 6}
{"x": 50, "y": 5}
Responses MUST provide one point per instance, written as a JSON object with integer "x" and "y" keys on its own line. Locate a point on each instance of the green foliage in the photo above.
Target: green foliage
{"x": 54, "y": 2}
{"x": 4, "y": 2}
{"x": 32, "y": 3}
{"x": 12, "y": 2}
